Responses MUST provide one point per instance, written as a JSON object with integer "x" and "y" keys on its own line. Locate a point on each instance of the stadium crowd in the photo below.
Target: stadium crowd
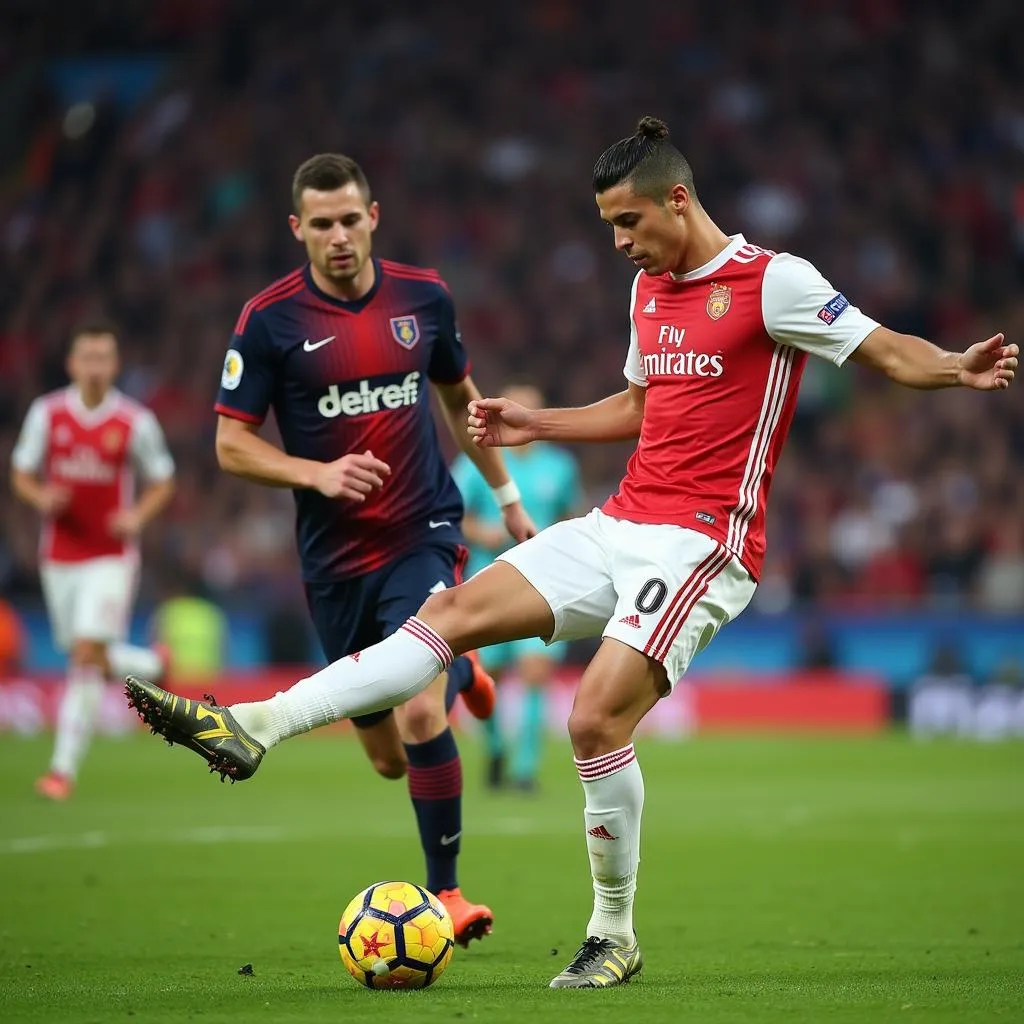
{"x": 163, "y": 207}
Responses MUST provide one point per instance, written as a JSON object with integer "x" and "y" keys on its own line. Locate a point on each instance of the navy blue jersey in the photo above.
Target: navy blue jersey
{"x": 347, "y": 377}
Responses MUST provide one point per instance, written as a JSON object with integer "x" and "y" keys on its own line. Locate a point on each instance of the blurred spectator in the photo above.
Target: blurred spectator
{"x": 157, "y": 191}
{"x": 194, "y": 630}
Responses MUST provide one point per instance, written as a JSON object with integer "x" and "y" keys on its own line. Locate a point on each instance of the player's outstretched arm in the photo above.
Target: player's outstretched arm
{"x": 989, "y": 365}
{"x": 453, "y": 399}
{"x": 242, "y": 452}
{"x": 497, "y": 422}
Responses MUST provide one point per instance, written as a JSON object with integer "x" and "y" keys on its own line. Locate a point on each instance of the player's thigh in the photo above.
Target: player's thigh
{"x": 619, "y": 687}
{"x": 556, "y": 585}
{"x": 103, "y": 599}
{"x": 408, "y": 581}
{"x": 676, "y": 588}
{"x": 344, "y": 617}
{"x": 405, "y": 586}
{"x": 60, "y": 583}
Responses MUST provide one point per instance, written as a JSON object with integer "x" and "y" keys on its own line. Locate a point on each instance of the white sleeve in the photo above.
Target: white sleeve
{"x": 30, "y": 449}
{"x": 149, "y": 449}
{"x": 634, "y": 368}
{"x": 802, "y": 309}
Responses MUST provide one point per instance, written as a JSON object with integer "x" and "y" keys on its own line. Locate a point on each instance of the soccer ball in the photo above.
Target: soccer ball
{"x": 396, "y": 935}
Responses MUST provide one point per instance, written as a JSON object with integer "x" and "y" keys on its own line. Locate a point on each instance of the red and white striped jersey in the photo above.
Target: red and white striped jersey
{"x": 720, "y": 351}
{"x": 94, "y": 454}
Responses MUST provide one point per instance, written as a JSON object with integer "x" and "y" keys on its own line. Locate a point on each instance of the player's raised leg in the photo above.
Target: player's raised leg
{"x": 496, "y": 605}
{"x": 618, "y": 688}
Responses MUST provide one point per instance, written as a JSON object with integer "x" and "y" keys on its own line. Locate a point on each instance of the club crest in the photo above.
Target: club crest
{"x": 111, "y": 440}
{"x": 405, "y": 330}
{"x": 719, "y": 301}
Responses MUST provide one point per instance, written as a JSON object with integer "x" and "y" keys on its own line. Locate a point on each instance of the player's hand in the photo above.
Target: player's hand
{"x": 517, "y": 522}
{"x": 990, "y": 365}
{"x": 352, "y": 477}
{"x": 126, "y": 523}
{"x": 53, "y": 499}
{"x": 498, "y": 423}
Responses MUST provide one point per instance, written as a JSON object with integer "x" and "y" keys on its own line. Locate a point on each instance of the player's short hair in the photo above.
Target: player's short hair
{"x": 93, "y": 328}
{"x": 324, "y": 173}
{"x": 647, "y": 161}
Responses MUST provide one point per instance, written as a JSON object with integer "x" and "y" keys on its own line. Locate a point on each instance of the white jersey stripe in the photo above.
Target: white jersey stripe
{"x": 739, "y": 509}
{"x": 761, "y": 462}
{"x": 761, "y": 466}
{"x": 776, "y": 389}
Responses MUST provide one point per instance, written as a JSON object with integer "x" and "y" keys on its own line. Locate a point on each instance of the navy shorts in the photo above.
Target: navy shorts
{"x": 352, "y": 614}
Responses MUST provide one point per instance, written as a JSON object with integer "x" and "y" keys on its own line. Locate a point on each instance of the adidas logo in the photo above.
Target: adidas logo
{"x": 651, "y": 307}
{"x": 355, "y": 656}
{"x": 600, "y": 832}
{"x": 631, "y": 620}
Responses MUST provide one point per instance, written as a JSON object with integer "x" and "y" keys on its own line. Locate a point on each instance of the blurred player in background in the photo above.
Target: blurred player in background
{"x": 719, "y": 331}
{"x": 343, "y": 350}
{"x": 548, "y": 480}
{"x": 75, "y": 463}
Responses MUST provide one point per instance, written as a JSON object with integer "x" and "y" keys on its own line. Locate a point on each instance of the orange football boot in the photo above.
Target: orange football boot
{"x": 55, "y": 786}
{"x": 481, "y": 695}
{"x": 471, "y": 920}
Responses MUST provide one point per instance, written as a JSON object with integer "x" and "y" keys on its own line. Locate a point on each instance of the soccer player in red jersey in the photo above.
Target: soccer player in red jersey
{"x": 75, "y": 462}
{"x": 719, "y": 333}
{"x": 343, "y": 350}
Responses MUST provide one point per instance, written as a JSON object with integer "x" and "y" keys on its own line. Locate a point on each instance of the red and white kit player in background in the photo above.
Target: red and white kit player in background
{"x": 719, "y": 333}
{"x": 75, "y": 462}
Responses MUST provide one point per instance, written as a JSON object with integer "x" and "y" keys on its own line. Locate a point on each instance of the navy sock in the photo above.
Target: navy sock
{"x": 460, "y": 677}
{"x": 435, "y": 786}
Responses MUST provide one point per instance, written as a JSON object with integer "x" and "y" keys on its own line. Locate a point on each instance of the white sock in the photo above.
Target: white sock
{"x": 382, "y": 676}
{"x": 76, "y": 718}
{"x": 128, "y": 660}
{"x": 614, "y": 788}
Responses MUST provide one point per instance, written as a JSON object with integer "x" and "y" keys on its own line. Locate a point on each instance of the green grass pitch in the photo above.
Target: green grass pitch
{"x": 783, "y": 880}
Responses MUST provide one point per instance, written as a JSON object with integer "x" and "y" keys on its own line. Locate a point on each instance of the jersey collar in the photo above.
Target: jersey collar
{"x": 736, "y": 242}
{"x": 356, "y": 306}
{"x": 83, "y": 413}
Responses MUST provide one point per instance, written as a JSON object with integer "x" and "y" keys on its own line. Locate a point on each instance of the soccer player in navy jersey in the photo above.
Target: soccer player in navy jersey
{"x": 343, "y": 350}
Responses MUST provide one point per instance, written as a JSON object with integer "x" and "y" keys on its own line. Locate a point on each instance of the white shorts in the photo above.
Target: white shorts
{"x": 664, "y": 590}
{"x": 89, "y": 600}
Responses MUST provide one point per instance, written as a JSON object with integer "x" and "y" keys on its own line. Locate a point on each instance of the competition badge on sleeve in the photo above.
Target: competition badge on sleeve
{"x": 232, "y": 375}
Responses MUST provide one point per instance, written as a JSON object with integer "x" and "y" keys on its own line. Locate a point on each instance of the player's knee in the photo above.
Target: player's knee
{"x": 423, "y": 717}
{"x": 390, "y": 766}
{"x": 593, "y": 732}
{"x": 441, "y": 605}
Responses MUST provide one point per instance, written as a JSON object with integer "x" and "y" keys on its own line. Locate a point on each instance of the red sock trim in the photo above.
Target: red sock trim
{"x": 594, "y": 768}
{"x": 434, "y": 642}
{"x": 439, "y": 782}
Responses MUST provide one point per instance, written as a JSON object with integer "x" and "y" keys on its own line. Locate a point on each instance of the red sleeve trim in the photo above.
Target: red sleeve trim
{"x": 237, "y": 414}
